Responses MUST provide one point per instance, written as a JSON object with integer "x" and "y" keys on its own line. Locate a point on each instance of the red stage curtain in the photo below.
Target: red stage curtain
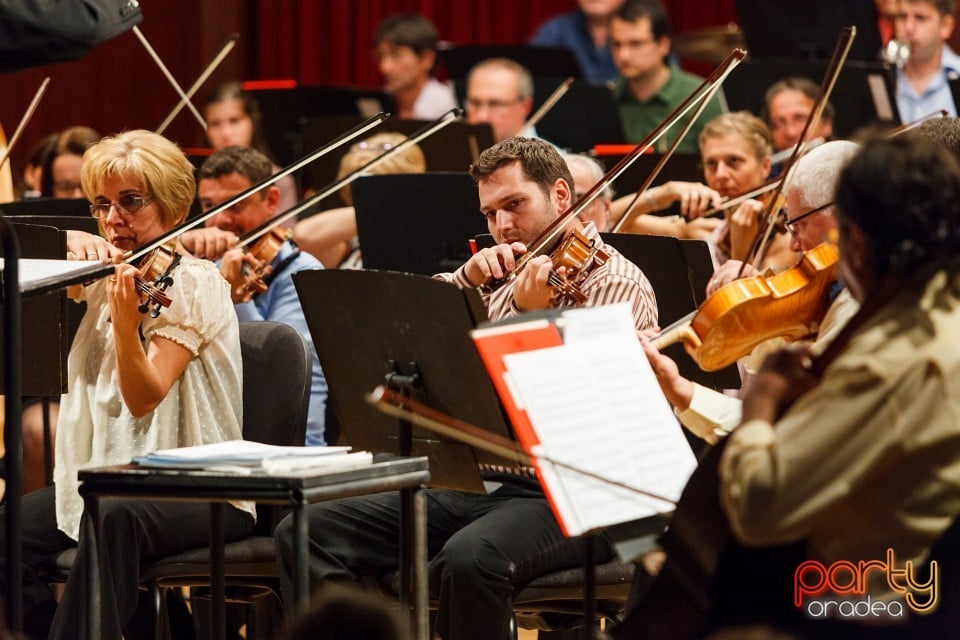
{"x": 330, "y": 41}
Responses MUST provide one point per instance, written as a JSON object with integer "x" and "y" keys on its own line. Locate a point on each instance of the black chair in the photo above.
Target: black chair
{"x": 276, "y": 394}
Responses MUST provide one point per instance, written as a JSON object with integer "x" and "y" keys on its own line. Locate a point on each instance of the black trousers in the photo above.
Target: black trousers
{"x": 132, "y": 531}
{"x": 480, "y": 547}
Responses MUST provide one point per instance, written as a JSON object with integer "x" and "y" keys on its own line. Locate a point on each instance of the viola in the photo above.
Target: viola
{"x": 749, "y": 311}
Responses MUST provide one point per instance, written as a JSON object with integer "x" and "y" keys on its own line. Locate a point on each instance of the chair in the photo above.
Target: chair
{"x": 276, "y": 393}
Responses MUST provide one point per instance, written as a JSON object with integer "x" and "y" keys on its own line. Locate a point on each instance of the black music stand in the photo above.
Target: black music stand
{"x": 410, "y": 332}
{"x": 555, "y": 62}
{"x": 285, "y": 110}
{"x": 585, "y": 116}
{"x": 453, "y": 148}
{"x": 807, "y": 30}
{"x": 681, "y": 166}
{"x": 73, "y": 207}
{"x": 865, "y": 91}
{"x": 417, "y": 223}
{"x": 17, "y": 283}
{"x": 679, "y": 271}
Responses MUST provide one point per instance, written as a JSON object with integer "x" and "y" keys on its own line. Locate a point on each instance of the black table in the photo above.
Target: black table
{"x": 386, "y": 473}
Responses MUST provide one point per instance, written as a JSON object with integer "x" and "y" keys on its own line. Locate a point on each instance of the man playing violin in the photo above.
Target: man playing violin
{"x": 710, "y": 414}
{"x": 481, "y": 546}
{"x": 223, "y": 175}
{"x": 136, "y": 384}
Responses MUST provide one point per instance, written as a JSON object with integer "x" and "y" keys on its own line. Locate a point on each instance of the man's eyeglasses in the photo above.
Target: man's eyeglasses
{"x": 492, "y": 105}
{"x": 791, "y": 224}
{"x": 128, "y": 205}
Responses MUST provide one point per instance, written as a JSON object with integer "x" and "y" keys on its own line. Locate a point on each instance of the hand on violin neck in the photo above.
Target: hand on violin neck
{"x": 784, "y": 377}
{"x": 532, "y": 290}
{"x": 209, "y": 242}
{"x": 727, "y": 273}
{"x": 492, "y": 263}
{"x": 242, "y": 271}
{"x": 695, "y": 199}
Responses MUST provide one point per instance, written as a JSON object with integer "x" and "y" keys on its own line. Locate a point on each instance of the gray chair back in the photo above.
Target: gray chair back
{"x": 276, "y": 383}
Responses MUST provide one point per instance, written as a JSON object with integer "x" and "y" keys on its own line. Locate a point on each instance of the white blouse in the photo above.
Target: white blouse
{"x": 95, "y": 428}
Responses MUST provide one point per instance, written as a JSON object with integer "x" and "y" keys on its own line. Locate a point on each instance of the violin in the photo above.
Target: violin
{"x": 264, "y": 250}
{"x": 749, "y": 311}
{"x": 579, "y": 255}
{"x": 156, "y": 269}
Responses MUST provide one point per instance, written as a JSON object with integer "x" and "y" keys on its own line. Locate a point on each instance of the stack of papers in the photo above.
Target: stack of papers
{"x": 244, "y": 456}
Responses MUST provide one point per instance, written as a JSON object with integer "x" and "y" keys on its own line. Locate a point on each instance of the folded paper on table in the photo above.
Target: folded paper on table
{"x": 238, "y": 455}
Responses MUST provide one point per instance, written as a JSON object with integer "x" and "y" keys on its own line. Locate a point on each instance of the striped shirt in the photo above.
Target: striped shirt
{"x": 617, "y": 280}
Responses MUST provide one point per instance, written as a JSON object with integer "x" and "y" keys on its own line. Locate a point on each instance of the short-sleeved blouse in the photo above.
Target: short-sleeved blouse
{"x": 204, "y": 405}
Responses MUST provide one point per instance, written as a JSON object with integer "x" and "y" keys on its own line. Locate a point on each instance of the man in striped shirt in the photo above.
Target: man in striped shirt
{"x": 482, "y": 545}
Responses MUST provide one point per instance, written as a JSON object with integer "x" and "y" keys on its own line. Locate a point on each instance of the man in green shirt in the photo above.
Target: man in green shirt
{"x": 648, "y": 89}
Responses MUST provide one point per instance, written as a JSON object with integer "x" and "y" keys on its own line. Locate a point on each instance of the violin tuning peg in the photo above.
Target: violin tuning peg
{"x": 143, "y": 308}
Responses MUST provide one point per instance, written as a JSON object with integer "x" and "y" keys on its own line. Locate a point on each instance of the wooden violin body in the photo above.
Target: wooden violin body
{"x": 749, "y": 311}
{"x": 579, "y": 255}
{"x": 157, "y": 268}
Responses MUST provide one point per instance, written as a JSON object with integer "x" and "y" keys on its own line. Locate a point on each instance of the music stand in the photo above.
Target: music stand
{"x": 586, "y": 115}
{"x": 73, "y": 207}
{"x": 378, "y": 327}
{"x": 453, "y": 148}
{"x": 400, "y": 231}
{"x": 678, "y": 270}
{"x": 19, "y": 282}
{"x": 556, "y": 62}
{"x": 865, "y": 91}
{"x": 807, "y": 30}
{"x": 284, "y": 111}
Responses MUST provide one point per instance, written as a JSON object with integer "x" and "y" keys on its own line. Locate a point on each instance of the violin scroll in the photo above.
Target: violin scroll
{"x": 156, "y": 267}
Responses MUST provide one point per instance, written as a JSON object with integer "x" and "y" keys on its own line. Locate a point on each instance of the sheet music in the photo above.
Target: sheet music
{"x": 595, "y": 404}
{"x": 34, "y": 272}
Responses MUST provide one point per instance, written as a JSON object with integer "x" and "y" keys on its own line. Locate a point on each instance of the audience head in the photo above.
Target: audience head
{"x": 735, "y": 151}
{"x": 811, "y": 187}
{"x": 500, "y": 93}
{"x": 787, "y": 106}
{"x": 587, "y": 172}
{"x": 234, "y": 119}
{"x": 639, "y": 38}
{"x": 230, "y": 171}
{"x": 152, "y": 168}
{"x": 599, "y": 9}
{"x": 943, "y": 131}
{"x": 898, "y": 211}
{"x": 406, "y": 47}
{"x": 60, "y": 176}
{"x": 523, "y": 185}
{"x": 410, "y": 160}
{"x": 345, "y": 612}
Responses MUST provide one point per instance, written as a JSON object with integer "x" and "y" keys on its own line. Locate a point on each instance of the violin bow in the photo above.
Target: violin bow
{"x": 707, "y": 95}
{"x": 224, "y": 50}
{"x": 169, "y": 76}
{"x": 399, "y": 406}
{"x": 5, "y": 153}
{"x": 547, "y": 105}
{"x": 549, "y": 235}
{"x": 163, "y": 238}
{"x": 446, "y": 119}
{"x": 840, "y": 52}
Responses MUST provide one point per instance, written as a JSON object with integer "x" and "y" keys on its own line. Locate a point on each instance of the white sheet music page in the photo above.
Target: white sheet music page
{"x": 596, "y": 406}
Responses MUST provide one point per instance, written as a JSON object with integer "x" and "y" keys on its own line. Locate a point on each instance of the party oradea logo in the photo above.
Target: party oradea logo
{"x": 841, "y": 590}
